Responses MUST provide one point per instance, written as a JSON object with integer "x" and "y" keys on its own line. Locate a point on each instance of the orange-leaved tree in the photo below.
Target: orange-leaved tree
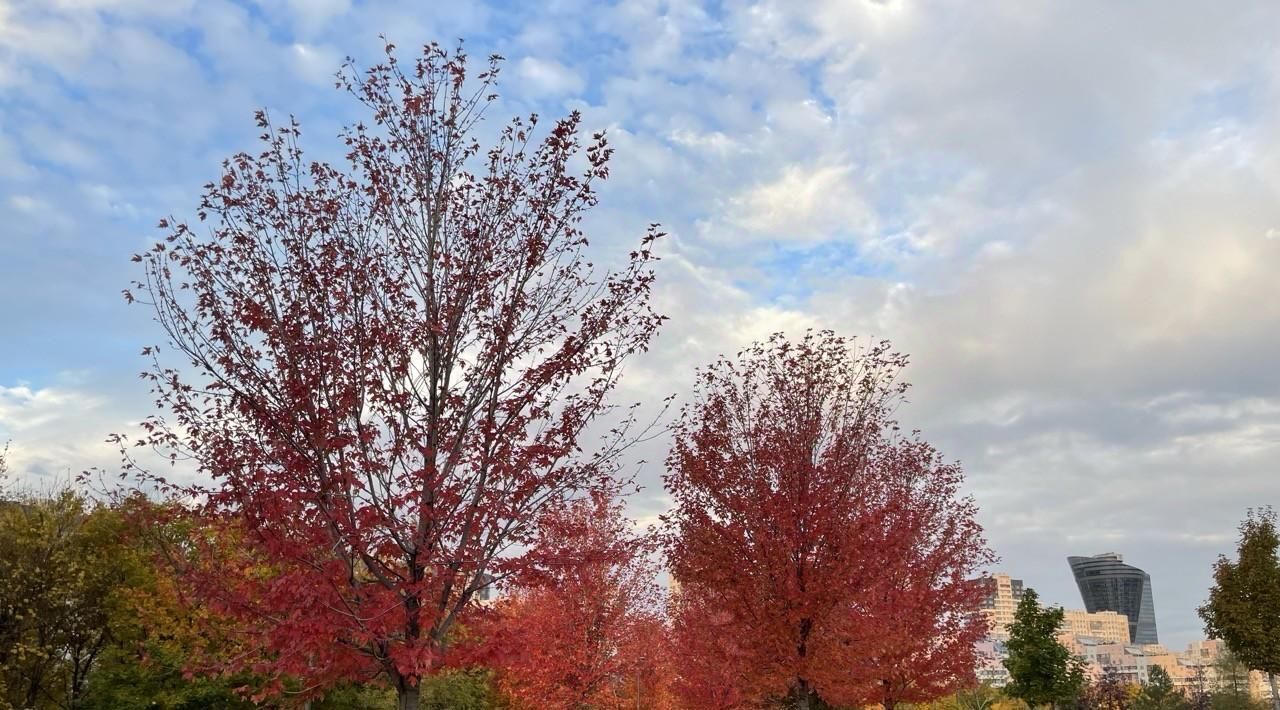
{"x": 583, "y": 628}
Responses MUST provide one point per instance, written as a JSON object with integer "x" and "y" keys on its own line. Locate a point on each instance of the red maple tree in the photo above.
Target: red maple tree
{"x": 922, "y": 608}
{"x": 386, "y": 368}
{"x": 792, "y": 505}
{"x": 713, "y": 671}
{"x": 583, "y": 627}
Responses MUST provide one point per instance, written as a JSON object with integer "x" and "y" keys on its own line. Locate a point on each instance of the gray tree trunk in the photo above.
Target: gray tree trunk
{"x": 802, "y": 693}
{"x": 1275, "y": 694}
{"x": 407, "y": 698}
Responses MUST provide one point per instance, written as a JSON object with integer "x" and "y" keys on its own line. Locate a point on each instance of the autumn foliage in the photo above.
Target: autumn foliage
{"x": 921, "y": 608}
{"x": 397, "y": 372}
{"x": 386, "y": 368}
{"x": 585, "y": 627}
{"x": 820, "y": 554}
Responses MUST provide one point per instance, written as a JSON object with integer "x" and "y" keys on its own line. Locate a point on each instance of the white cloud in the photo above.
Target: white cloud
{"x": 804, "y": 204}
{"x": 312, "y": 15}
{"x": 26, "y": 203}
{"x": 51, "y": 432}
{"x": 546, "y": 77}
{"x": 23, "y": 409}
{"x": 316, "y": 64}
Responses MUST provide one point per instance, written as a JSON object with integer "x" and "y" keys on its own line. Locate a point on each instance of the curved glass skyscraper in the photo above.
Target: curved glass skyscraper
{"x": 1108, "y": 584}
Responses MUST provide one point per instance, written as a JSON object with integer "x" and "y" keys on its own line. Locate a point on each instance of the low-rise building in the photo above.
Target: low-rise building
{"x": 1108, "y": 626}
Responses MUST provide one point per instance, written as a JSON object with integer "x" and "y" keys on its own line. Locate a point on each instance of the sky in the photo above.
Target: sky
{"x": 1067, "y": 213}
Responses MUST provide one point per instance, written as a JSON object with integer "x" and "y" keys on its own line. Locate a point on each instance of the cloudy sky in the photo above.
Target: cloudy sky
{"x": 1068, "y": 213}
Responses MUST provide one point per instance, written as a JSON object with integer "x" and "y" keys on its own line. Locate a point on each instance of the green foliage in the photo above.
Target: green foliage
{"x": 1244, "y": 604}
{"x": 1232, "y": 701}
{"x": 357, "y": 697}
{"x": 471, "y": 689}
{"x": 1231, "y": 689}
{"x": 1109, "y": 692}
{"x": 86, "y": 619}
{"x": 63, "y": 562}
{"x": 1043, "y": 671}
{"x": 1159, "y": 693}
{"x": 981, "y": 697}
{"x": 124, "y": 680}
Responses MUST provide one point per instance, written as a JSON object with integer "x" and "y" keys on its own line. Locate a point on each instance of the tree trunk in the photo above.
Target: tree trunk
{"x": 407, "y": 698}
{"x": 802, "y": 694}
{"x": 1275, "y": 694}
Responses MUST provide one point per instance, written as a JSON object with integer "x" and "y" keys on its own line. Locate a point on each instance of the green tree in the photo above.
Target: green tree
{"x": 1231, "y": 676}
{"x": 1244, "y": 603}
{"x": 1159, "y": 693}
{"x": 88, "y": 621}
{"x": 1231, "y": 685}
{"x": 982, "y": 697}
{"x": 62, "y": 561}
{"x": 151, "y": 676}
{"x": 470, "y": 689}
{"x": 1042, "y": 670}
{"x": 356, "y": 697}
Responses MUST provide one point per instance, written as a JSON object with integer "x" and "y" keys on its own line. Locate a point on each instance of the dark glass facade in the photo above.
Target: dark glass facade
{"x": 1108, "y": 584}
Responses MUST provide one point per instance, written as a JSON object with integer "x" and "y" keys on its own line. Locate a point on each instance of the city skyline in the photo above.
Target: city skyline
{"x": 1067, "y": 219}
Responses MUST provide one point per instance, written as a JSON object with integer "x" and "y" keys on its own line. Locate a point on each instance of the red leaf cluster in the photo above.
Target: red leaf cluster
{"x": 584, "y": 629}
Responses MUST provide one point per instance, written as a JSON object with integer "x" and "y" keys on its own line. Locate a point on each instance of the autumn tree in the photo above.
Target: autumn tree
{"x": 713, "y": 666}
{"x": 159, "y": 635}
{"x": 386, "y": 369}
{"x": 583, "y": 627}
{"x": 924, "y": 604}
{"x": 785, "y": 479}
{"x": 1108, "y": 692}
{"x": 1244, "y": 603}
{"x": 1042, "y": 670}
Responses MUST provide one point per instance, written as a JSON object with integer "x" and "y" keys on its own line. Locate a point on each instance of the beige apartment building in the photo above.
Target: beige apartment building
{"x": 1003, "y": 595}
{"x": 1106, "y": 626}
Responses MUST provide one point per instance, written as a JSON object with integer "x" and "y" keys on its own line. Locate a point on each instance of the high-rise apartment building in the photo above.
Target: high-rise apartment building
{"x": 1003, "y": 595}
{"x": 1108, "y": 584}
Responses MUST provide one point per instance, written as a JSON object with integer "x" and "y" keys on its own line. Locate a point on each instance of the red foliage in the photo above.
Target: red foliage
{"x": 386, "y": 369}
{"x": 923, "y": 603}
{"x": 713, "y": 670}
{"x": 584, "y": 628}
{"x": 796, "y": 503}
